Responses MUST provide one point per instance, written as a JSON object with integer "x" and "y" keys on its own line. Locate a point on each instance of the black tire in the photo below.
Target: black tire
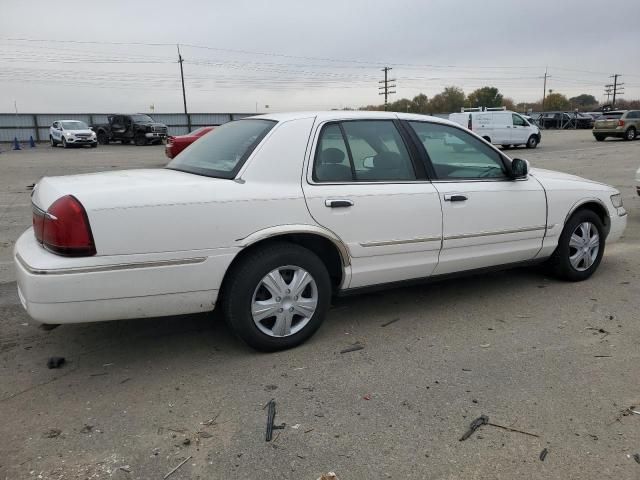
{"x": 102, "y": 138}
{"x": 600, "y": 138}
{"x": 94, "y": 145}
{"x": 245, "y": 278}
{"x": 64, "y": 143}
{"x": 559, "y": 262}
{"x": 125, "y": 141}
{"x": 532, "y": 142}
{"x": 630, "y": 134}
{"x": 140, "y": 140}
{"x": 506, "y": 147}
{"x": 52, "y": 142}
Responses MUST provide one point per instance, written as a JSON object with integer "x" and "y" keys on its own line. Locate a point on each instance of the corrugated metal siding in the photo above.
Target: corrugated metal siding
{"x": 23, "y": 125}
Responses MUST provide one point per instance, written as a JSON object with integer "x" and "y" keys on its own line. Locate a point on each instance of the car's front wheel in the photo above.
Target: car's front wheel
{"x": 52, "y": 141}
{"x": 276, "y": 297}
{"x": 599, "y": 138}
{"x": 140, "y": 140}
{"x": 102, "y": 138}
{"x": 532, "y": 142}
{"x": 580, "y": 247}
{"x": 64, "y": 143}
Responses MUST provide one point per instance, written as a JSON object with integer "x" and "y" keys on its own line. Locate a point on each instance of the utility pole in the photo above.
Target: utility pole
{"x": 607, "y": 91}
{"x": 388, "y": 85}
{"x": 616, "y": 88}
{"x": 544, "y": 88}
{"x": 184, "y": 94}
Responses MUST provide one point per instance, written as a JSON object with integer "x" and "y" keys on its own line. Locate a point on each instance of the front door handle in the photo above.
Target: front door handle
{"x": 455, "y": 197}
{"x": 338, "y": 203}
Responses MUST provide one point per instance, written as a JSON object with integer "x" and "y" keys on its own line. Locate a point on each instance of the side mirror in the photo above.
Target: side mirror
{"x": 519, "y": 168}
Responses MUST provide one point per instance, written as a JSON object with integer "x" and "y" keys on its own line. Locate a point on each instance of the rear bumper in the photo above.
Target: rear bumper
{"x": 609, "y": 132}
{"x": 58, "y": 290}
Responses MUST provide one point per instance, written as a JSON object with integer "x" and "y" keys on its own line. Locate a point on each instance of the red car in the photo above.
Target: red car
{"x": 176, "y": 144}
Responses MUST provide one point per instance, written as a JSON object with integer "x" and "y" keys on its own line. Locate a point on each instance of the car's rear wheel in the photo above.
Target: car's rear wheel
{"x": 102, "y": 138}
{"x": 140, "y": 140}
{"x": 276, "y": 297}
{"x": 630, "y": 134}
{"x": 580, "y": 247}
{"x": 532, "y": 142}
{"x": 599, "y": 138}
{"x": 125, "y": 141}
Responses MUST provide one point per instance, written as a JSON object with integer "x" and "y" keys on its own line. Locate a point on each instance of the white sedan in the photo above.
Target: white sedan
{"x": 71, "y": 132}
{"x": 268, "y": 217}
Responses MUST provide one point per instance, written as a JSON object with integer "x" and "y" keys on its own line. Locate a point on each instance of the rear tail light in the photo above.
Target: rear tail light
{"x": 621, "y": 123}
{"x": 64, "y": 228}
{"x": 470, "y": 124}
{"x": 169, "y": 140}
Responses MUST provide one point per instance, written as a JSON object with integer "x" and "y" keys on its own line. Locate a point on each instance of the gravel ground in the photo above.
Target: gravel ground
{"x": 136, "y": 398}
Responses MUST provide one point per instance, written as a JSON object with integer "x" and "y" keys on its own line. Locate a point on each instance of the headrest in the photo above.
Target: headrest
{"x": 387, "y": 161}
{"x": 331, "y": 156}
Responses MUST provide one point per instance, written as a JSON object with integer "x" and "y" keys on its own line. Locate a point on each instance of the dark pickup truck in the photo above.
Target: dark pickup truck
{"x": 138, "y": 128}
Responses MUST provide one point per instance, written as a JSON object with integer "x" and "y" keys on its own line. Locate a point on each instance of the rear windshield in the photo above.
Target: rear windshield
{"x": 222, "y": 152}
{"x": 612, "y": 115}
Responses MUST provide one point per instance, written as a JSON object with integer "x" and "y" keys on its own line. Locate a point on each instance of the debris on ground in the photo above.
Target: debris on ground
{"x": 513, "y": 430}
{"x": 271, "y": 416}
{"x": 367, "y": 396}
{"x": 125, "y": 468}
{"x": 55, "y": 362}
{"x": 328, "y": 476}
{"x": 204, "y": 434}
{"x": 353, "y": 348}
{"x": 52, "y": 433}
{"x": 636, "y": 457}
{"x": 177, "y": 467}
{"x": 386, "y": 324}
{"x": 86, "y": 429}
{"x": 211, "y": 421}
{"x": 270, "y": 387}
{"x": 543, "y": 454}
{"x": 186, "y": 442}
{"x": 485, "y": 345}
{"x": 477, "y": 423}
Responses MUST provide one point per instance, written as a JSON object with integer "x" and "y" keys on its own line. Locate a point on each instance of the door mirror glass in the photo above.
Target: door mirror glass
{"x": 519, "y": 168}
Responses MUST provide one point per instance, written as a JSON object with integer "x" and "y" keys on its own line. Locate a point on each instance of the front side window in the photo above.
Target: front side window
{"x": 362, "y": 151}
{"x": 141, "y": 118}
{"x": 518, "y": 121}
{"x": 222, "y": 152}
{"x": 458, "y": 155}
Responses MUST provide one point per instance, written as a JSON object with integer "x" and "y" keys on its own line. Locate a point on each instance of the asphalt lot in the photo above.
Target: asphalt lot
{"x": 520, "y": 347}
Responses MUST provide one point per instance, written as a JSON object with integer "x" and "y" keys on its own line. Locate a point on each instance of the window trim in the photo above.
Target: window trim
{"x": 414, "y": 157}
{"x": 506, "y": 161}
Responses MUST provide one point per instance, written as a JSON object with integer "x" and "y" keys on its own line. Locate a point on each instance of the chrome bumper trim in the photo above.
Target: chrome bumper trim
{"x": 107, "y": 268}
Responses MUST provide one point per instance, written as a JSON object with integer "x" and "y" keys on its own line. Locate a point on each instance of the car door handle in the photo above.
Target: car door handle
{"x": 455, "y": 197}
{"x": 338, "y": 203}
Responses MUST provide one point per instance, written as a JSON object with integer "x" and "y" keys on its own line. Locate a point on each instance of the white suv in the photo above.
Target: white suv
{"x": 71, "y": 132}
{"x": 268, "y": 217}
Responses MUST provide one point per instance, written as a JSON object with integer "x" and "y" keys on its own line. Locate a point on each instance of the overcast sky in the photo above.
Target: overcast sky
{"x": 298, "y": 55}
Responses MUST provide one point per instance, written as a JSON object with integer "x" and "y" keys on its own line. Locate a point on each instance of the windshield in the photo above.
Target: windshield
{"x": 612, "y": 115}
{"x": 142, "y": 118}
{"x": 222, "y": 152}
{"x": 74, "y": 125}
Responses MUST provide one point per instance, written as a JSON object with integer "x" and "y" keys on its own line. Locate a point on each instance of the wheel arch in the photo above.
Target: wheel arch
{"x": 324, "y": 243}
{"x": 595, "y": 205}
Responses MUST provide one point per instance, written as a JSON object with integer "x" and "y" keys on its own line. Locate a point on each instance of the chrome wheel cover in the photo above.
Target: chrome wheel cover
{"x": 284, "y": 301}
{"x": 584, "y": 246}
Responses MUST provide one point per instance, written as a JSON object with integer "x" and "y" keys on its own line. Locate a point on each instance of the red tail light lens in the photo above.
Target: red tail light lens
{"x": 169, "y": 140}
{"x": 64, "y": 228}
{"x": 621, "y": 123}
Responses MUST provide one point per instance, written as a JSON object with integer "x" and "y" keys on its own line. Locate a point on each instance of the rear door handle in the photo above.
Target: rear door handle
{"x": 338, "y": 203}
{"x": 455, "y": 197}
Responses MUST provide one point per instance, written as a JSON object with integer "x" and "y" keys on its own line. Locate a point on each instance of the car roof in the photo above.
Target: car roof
{"x": 324, "y": 116}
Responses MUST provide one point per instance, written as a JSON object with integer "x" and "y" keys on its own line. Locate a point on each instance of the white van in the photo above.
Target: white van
{"x": 500, "y": 128}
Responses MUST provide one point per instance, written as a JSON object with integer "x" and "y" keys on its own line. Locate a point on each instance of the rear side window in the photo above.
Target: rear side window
{"x": 612, "y": 115}
{"x": 222, "y": 152}
{"x": 456, "y": 154}
{"x": 633, "y": 115}
{"x": 362, "y": 151}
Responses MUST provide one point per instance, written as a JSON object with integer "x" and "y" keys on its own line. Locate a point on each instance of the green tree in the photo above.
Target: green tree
{"x": 420, "y": 104}
{"x": 556, "y": 101}
{"x": 508, "y": 103}
{"x": 485, "y": 97}
{"x": 584, "y": 100}
{"x": 451, "y": 99}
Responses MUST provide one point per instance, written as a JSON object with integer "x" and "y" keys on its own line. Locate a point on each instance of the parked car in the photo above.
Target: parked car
{"x": 500, "y": 128}
{"x": 618, "y": 123}
{"x": 565, "y": 120}
{"x": 175, "y": 144}
{"x": 267, "y": 217}
{"x": 71, "y": 132}
{"x": 139, "y": 128}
